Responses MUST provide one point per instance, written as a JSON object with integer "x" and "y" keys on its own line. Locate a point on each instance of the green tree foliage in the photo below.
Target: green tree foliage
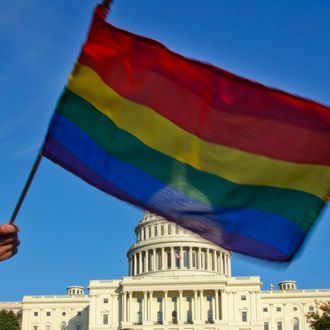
{"x": 8, "y": 321}
{"x": 320, "y": 319}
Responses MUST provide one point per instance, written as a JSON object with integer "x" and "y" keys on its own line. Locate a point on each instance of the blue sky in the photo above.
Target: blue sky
{"x": 70, "y": 231}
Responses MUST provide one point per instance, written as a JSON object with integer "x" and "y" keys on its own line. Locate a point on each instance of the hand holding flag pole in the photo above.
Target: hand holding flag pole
{"x": 106, "y": 4}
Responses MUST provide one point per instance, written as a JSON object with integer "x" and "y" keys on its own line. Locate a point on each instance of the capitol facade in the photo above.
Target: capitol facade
{"x": 176, "y": 281}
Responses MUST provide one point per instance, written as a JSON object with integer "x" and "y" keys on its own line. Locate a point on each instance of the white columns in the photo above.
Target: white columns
{"x": 172, "y": 257}
{"x": 195, "y": 314}
{"x": 190, "y": 258}
{"x": 135, "y": 267}
{"x": 147, "y": 261}
{"x": 163, "y": 258}
{"x": 201, "y": 306}
{"x": 216, "y": 298}
{"x": 180, "y": 308}
{"x": 140, "y": 262}
{"x": 124, "y": 305}
{"x": 181, "y": 258}
{"x": 144, "y": 308}
{"x": 214, "y": 254}
{"x": 154, "y": 260}
{"x": 165, "y": 308}
{"x": 130, "y": 298}
{"x": 151, "y": 305}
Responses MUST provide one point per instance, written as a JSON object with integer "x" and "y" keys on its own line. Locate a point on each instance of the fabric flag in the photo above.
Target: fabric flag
{"x": 243, "y": 165}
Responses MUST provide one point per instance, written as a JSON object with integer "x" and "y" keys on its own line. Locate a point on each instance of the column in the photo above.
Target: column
{"x": 216, "y": 298}
{"x": 201, "y": 306}
{"x": 209, "y": 266}
{"x": 130, "y": 299}
{"x": 220, "y": 263}
{"x": 147, "y": 261}
{"x": 165, "y": 308}
{"x": 224, "y": 264}
{"x": 252, "y": 306}
{"x": 140, "y": 262}
{"x": 190, "y": 258}
{"x": 150, "y": 309}
{"x": 224, "y": 305}
{"x": 163, "y": 258}
{"x": 172, "y": 257}
{"x": 135, "y": 268}
{"x": 180, "y": 308}
{"x": 124, "y": 305}
{"x": 195, "y": 317}
{"x": 144, "y": 307}
{"x": 155, "y": 265}
{"x": 181, "y": 257}
{"x": 214, "y": 260}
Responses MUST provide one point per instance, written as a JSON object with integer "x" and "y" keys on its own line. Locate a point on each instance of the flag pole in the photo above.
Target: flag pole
{"x": 107, "y": 3}
{"x": 26, "y": 187}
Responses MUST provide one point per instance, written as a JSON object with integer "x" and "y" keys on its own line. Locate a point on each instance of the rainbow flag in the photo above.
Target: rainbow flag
{"x": 243, "y": 165}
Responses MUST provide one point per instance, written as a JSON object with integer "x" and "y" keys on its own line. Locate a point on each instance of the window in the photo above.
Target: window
{"x": 35, "y": 327}
{"x": 162, "y": 231}
{"x": 265, "y": 309}
{"x": 105, "y": 300}
{"x": 295, "y": 309}
{"x": 149, "y": 232}
{"x": 47, "y": 313}
{"x": 176, "y": 229}
{"x": 174, "y": 299}
{"x": 243, "y": 297}
{"x": 63, "y": 313}
{"x": 244, "y": 316}
{"x": 169, "y": 229}
{"x": 266, "y": 326}
{"x": 174, "y": 317}
{"x": 63, "y": 326}
{"x": 155, "y": 231}
{"x": 295, "y": 324}
{"x": 35, "y": 313}
{"x": 105, "y": 318}
{"x": 278, "y": 309}
{"x": 189, "y": 317}
{"x": 311, "y": 308}
{"x": 159, "y": 317}
{"x": 279, "y": 326}
{"x": 210, "y": 316}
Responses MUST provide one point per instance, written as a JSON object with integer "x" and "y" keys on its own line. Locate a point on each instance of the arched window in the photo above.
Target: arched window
{"x": 295, "y": 323}
{"x": 63, "y": 326}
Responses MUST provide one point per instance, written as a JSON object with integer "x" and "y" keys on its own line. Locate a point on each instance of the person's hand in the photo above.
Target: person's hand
{"x": 9, "y": 241}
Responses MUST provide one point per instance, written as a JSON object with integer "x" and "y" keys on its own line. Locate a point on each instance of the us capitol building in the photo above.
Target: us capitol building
{"x": 177, "y": 281}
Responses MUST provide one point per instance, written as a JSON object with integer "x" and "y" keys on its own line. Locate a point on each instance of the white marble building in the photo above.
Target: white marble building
{"x": 177, "y": 281}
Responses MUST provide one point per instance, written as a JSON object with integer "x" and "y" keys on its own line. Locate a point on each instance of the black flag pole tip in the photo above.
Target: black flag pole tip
{"x": 107, "y": 3}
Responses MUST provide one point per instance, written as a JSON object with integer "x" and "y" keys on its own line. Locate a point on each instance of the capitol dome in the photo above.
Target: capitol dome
{"x": 164, "y": 248}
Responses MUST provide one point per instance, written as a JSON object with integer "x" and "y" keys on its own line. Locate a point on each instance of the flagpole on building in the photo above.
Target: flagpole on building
{"x": 26, "y": 187}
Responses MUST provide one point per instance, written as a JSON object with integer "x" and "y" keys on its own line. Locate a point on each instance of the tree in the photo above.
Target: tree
{"x": 8, "y": 321}
{"x": 320, "y": 319}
